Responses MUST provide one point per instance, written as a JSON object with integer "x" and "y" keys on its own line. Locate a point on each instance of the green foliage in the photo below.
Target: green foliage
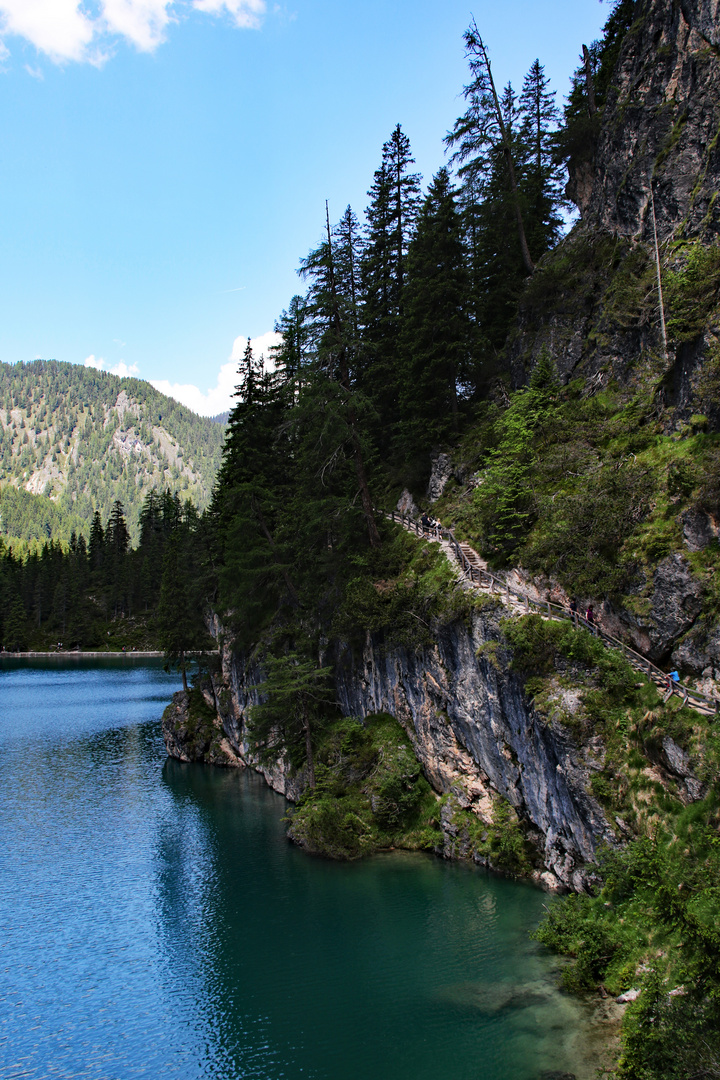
{"x": 370, "y": 793}
{"x": 654, "y": 926}
{"x": 692, "y": 292}
{"x": 401, "y": 593}
{"x": 200, "y": 732}
{"x": 537, "y": 644}
{"x": 435, "y": 337}
{"x": 296, "y": 702}
{"x": 106, "y": 595}
{"x": 504, "y": 501}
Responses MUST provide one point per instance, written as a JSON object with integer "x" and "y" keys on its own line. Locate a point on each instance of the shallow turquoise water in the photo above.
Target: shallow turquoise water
{"x": 155, "y": 922}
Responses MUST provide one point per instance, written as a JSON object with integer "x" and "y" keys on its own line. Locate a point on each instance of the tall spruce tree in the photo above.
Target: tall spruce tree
{"x": 436, "y": 328}
{"x": 253, "y": 488}
{"x": 496, "y": 264}
{"x": 290, "y": 355}
{"x": 335, "y": 345}
{"x": 391, "y": 216}
{"x": 542, "y": 174}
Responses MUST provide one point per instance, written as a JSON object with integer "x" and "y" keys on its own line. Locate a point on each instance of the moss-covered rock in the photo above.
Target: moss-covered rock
{"x": 370, "y": 794}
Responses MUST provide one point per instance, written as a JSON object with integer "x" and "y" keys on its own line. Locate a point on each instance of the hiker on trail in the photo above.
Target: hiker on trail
{"x": 426, "y": 523}
{"x": 574, "y": 610}
{"x": 590, "y": 616}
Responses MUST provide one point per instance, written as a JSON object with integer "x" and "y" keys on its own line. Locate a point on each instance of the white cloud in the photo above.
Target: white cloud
{"x": 66, "y": 30}
{"x": 142, "y": 22}
{"x": 260, "y": 346}
{"x": 56, "y": 27}
{"x": 124, "y": 371}
{"x": 218, "y": 398}
{"x": 121, "y": 368}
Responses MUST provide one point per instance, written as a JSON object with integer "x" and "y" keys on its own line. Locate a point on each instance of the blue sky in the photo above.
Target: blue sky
{"x": 165, "y": 164}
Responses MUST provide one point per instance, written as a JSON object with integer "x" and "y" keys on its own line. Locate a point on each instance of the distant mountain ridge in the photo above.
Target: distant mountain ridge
{"x": 73, "y": 440}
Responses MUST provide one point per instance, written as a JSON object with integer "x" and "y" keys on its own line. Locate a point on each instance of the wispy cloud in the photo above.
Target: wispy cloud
{"x": 71, "y": 31}
{"x": 218, "y": 398}
{"x": 247, "y": 14}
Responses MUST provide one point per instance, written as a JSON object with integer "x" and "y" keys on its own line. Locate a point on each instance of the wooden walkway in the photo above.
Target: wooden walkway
{"x": 475, "y": 572}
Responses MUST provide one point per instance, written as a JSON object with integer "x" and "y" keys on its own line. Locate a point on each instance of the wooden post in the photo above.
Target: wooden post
{"x": 527, "y": 602}
{"x": 548, "y": 605}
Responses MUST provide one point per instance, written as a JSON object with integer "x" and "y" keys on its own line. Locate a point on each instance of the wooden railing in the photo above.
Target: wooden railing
{"x": 499, "y": 586}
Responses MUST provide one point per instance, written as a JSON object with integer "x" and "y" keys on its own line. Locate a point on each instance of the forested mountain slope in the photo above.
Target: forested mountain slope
{"x": 74, "y": 440}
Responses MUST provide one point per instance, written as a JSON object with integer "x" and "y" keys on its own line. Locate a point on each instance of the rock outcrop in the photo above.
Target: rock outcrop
{"x": 659, "y": 127}
{"x": 593, "y": 301}
{"x": 478, "y": 736}
{"x": 472, "y": 728}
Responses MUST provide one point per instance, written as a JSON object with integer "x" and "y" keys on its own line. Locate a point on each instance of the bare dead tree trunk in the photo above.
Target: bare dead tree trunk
{"x": 507, "y": 153}
{"x": 373, "y": 534}
{"x": 659, "y": 277}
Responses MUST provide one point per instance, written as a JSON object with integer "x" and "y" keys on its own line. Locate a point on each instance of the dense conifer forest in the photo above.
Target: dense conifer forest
{"x": 74, "y": 440}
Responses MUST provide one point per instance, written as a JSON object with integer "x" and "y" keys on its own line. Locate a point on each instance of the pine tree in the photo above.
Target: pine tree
{"x": 391, "y": 216}
{"x": 496, "y": 265}
{"x": 436, "y": 328}
{"x": 253, "y": 488}
{"x": 297, "y": 694}
{"x": 482, "y": 131}
{"x": 334, "y": 348}
{"x": 291, "y": 355}
{"x": 180, "y": 624}
{"x": 542, "y": 179}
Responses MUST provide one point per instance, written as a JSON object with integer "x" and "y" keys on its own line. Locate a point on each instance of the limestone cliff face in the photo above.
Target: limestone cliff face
{"x": 477, "y": 735}
{"x": 472, "y": 728}
{"x": 660, "y": 124}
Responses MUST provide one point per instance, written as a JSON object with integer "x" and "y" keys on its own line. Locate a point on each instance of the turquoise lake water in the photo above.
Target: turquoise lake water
{"x": 155, "y": 922}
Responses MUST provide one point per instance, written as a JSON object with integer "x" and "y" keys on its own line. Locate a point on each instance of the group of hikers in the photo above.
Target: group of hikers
{"x": 429, "y": 524}
{"x": 589, "y": 614}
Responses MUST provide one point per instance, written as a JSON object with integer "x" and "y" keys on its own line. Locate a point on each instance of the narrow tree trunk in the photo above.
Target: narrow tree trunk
{"x": 184, "y": 675}
{"x": 659, "y": 277}
{"x": 308, "y": 747}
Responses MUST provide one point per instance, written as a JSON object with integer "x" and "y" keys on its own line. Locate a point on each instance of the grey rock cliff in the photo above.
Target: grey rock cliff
{"x": 471, "y": 727}
{"x": 660, "y": 126}
{"x": 658, "y": 133}
{"x": 474, "y": 731}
